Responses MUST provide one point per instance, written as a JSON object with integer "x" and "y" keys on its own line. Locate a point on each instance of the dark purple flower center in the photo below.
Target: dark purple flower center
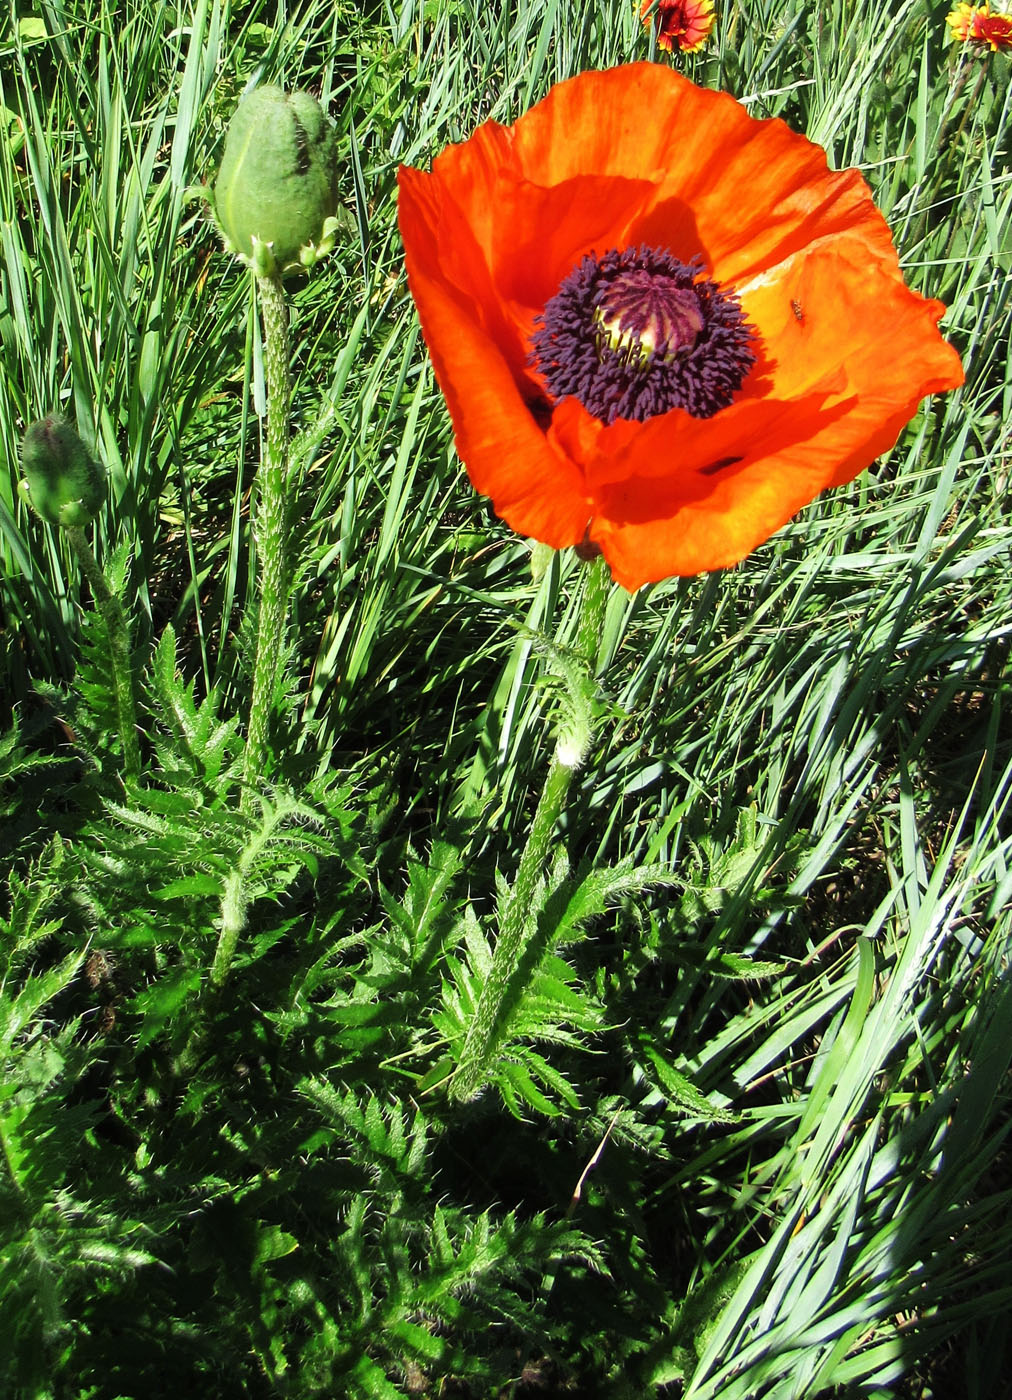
{"x": 636, "y": 333}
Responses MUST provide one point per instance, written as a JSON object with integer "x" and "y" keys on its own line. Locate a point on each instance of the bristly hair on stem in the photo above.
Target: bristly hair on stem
{"x": 573, "y": 739}
{"x": 269, "y": 531}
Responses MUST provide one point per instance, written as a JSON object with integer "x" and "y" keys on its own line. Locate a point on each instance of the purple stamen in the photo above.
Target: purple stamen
{"x": 635, "y": 333}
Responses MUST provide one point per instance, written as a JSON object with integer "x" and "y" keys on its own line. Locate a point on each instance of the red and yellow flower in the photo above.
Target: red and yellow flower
{"x": 661, "y": 326}
{"x": 682, "y": 24}
{"x": 976, "y": 24}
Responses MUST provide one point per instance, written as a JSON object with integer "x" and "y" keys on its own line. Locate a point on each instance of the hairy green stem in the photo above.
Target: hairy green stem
{"x": 518, "y": 953}
{"x": 270, "y": 531}
{"x": 119, "y": 648}
{"x": 21, "y": 1204}
{"x": 597, "y": 590}
{"x": 235, "y": 901}
{"x": 274, "y": 583}
{"x": 234, "y": 908}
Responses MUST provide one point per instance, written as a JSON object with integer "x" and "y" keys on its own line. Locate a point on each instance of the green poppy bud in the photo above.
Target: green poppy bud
{"x": 275, "y": 198}
{"x": 63, "y": 483}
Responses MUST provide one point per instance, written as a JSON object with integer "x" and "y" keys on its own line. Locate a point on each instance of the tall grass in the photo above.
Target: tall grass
{"x": 796, "y": 1103}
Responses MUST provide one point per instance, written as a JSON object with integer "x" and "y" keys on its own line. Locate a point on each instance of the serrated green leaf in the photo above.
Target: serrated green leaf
{"x": 678, "y": 1088}
{"x": 158, "y": 1004}
{"x": 735, "y": 967}
{"x": 370, "y": 1381}
{"x": 205, "y": 885}
{"x": 419, "y": 1341}
{"x": 516, "y": 1084}
{"x": 17, "y": 1012}
{"x": 273, "y": 1243}
{"x": 438, "y": 1074}
{"x": 479, "y": 952}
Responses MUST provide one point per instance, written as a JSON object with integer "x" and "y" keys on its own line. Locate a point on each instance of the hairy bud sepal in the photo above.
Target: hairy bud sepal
{"x": 63, "y": 483}
{"x": 275, "y": 198}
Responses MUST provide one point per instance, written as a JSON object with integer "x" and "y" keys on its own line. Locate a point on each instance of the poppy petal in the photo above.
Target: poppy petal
{"x": 696, "y": 150}
{"x": 478, "y": 363}
{"x": 639, "y": 157}
{"x": 744, "y": 473}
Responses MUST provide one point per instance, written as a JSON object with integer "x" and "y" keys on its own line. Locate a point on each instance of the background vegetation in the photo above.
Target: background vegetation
{"x": 748, "y": 1136}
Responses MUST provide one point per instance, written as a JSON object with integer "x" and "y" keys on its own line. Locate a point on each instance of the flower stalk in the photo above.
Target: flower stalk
{"x": 271, "y": 603}
{"x": 520, "y": 945}
{"x": 234, "y": 910}
{"x": 270, "y": 530}
{"x": 275, "y": 204}
{"x": 119, "y": 648}
{"x": 234, "y": 907}
{"x": 66, "y": 487}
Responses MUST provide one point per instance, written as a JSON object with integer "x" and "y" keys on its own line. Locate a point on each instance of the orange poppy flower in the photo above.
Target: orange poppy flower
{"x": 686, "y": 24}
{"x": 976, "y": 24}
{"x": 661, "y": 326}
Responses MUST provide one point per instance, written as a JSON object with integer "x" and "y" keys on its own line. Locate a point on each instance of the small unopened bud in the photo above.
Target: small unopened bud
{"x": 275, "y": 199}
{"x": 63, "y": 482}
